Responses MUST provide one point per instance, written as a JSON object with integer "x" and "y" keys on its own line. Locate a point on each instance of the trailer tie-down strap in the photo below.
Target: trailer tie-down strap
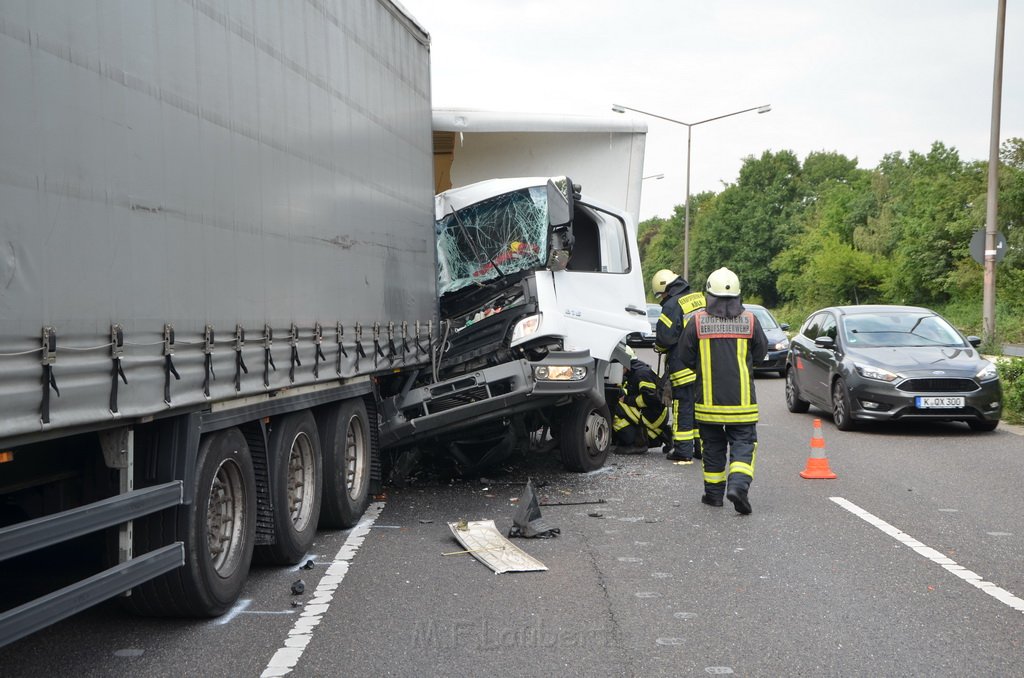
{"x": 239, "y": 360}
{"x": 168, "y": 362}
{"x": 360, "y": 353}
{"x": 376, "y": 344}
{"x": 405, "y": 339}
{"x": 391, "y": 343}
{"x": 294, "y": 341}
{"x": 339, "y": 331}
{"x": 268, "y": 357}
{"x": 116, "y": 352}
{"x": 208, "y": 359}
{"x": 419, "y": 347}
{"x": 49, "y": 380}
{"x": 318, "y": 339}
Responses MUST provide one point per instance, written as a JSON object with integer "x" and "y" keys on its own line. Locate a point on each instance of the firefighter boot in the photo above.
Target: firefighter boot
{"x": 738, "y": 497}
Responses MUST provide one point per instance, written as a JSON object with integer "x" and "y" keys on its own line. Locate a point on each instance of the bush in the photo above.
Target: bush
{"x": 1011, "y": 375}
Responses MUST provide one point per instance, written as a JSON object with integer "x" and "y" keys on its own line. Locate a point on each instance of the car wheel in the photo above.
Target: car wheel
{"x": 841, "y": 407}
{"x": 983, "y": 425}
{"x": 793, "y": 400}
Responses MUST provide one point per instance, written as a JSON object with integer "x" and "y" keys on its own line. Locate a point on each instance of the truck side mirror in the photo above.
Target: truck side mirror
{"x": 561, "y": 203}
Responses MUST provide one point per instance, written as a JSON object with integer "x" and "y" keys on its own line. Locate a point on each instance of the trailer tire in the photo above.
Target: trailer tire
{"x": 345, "y": 439}
{"x": 223, "y": 510}
{"x": 296, "y": 479}
{"x": 585, "y": 436}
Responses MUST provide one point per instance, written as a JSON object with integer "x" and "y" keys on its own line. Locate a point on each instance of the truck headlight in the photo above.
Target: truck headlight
{"x": 560, "y": 373}
{"x": 527, "y": 326}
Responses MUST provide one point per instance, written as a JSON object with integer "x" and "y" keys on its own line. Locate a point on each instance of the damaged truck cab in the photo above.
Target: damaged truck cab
{"x": 538, "y": 285}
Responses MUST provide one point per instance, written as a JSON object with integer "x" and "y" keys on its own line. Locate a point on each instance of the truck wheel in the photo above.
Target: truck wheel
{"x": 218, "y": 530}
{"x": 295, "y": 480}
{"x": 345, "y": 438}
{"x": 586, "y": 435}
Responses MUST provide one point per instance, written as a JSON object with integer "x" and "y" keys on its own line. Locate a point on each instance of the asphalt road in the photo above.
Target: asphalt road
{"x": 907, "y": 564}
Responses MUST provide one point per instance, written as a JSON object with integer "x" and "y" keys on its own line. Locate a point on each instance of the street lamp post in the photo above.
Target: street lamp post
{"x": 618, "y": 108}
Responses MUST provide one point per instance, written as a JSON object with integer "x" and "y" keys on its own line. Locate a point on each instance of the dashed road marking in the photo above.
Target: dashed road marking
{"x": 972, "y": 578}
{"x": 286, "y": 657}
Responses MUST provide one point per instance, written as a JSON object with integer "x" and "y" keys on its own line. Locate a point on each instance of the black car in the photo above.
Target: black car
{"x": 778, "y": 341}
{"x": 890, "y": 363}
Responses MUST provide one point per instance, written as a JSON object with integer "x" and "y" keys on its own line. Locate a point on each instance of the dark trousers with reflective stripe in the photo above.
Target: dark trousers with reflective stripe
{"x": 685, "y": 437}
{"x": 732, "y": 443}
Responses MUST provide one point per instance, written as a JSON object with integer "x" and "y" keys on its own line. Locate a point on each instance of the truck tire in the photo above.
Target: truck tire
{"x": 585, "y": 436}
{"x": 296, "y": 479}
{"x": 345, "y": 439}
{"x": 218, "y": 530}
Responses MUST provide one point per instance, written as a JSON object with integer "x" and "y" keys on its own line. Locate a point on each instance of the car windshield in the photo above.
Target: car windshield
{"x": 491, "y": 239}
{"x": 899, "y": 329}
{"x": 765, "y": 318}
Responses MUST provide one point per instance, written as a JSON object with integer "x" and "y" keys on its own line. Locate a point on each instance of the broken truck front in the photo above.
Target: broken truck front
{"x": 538, "y": 286}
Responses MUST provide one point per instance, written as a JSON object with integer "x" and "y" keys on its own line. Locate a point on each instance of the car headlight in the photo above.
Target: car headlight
{"x": 872, "y": 372}
{"x": 988, "y": 372}
{"x": 560, "y": 373}
{"x": 527, "y": 326}
{"x": 782, "y": 345}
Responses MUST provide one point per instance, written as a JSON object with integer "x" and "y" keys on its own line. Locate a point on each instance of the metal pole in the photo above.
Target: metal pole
{"x": 991, "y": 212}
{"x": 686, "y": 224}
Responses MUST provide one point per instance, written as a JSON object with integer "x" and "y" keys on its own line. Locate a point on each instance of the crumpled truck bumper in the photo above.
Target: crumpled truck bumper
{"x": 484, "y": 395}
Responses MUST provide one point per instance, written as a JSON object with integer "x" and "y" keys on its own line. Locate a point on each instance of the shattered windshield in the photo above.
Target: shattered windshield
{"x": 491, "y": 239}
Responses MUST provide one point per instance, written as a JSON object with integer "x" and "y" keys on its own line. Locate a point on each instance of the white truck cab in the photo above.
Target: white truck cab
{"x": 538, "y": 284}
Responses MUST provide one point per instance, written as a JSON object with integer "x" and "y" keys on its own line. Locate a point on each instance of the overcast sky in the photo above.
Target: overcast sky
{"x": 859, "y": 77}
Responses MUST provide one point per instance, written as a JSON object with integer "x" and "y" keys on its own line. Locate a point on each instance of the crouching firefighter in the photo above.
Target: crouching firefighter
{"x": 678, "y": 304}
{"x": 640, "y": 420}
{"x": 721, "y": 344}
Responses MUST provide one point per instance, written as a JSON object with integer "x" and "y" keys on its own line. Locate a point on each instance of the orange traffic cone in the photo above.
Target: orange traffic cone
{"x": 817, "y": 463}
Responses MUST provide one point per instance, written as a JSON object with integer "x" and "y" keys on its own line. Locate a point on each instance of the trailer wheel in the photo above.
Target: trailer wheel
{"x": 218, "y": 530}
{"x": 345, "y": 437}
{"x": 295, "y": 485}
{"x": 586, "y": 435}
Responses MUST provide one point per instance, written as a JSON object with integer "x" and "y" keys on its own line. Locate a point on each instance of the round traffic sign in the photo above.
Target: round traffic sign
{"x": 977, "y": 246}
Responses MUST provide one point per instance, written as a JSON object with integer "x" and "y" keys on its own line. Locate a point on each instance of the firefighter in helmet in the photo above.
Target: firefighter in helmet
{"x": 640, "y": 420}
{"x": 721, "y": 344}
{"x": 678, "y": 304}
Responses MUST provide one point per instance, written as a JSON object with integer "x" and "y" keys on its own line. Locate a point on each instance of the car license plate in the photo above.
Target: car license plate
{"x": 940, "y": 402}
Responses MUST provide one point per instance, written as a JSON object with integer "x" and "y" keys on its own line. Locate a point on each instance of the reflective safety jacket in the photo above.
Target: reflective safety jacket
{"x": 722, "y": 352}
{"x": 640, "y": 401}
{"x": 677, "y": 308}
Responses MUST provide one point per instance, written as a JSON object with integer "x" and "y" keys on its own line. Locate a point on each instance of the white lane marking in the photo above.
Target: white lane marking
{"x": 975, "y": 580}
{"x": 239, "y": 607}
{"x": 286, "y": 657}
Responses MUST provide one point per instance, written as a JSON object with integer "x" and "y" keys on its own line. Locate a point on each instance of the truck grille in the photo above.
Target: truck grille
{"x": 939, "y": 386}
{"x": 445, "y": 398}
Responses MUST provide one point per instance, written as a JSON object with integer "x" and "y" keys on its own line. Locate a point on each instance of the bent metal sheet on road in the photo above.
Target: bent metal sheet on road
{"x": 482, "y": 540}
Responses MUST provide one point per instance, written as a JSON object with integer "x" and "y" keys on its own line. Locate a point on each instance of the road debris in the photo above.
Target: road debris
{"x": 298, "y": 587}
{"x": 482, "y": 540}
{"x": 572, "y": 503}
{"x": 527, "y": 522}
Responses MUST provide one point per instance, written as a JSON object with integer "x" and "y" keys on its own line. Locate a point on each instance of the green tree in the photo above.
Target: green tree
{"x": 747, "y": 225}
